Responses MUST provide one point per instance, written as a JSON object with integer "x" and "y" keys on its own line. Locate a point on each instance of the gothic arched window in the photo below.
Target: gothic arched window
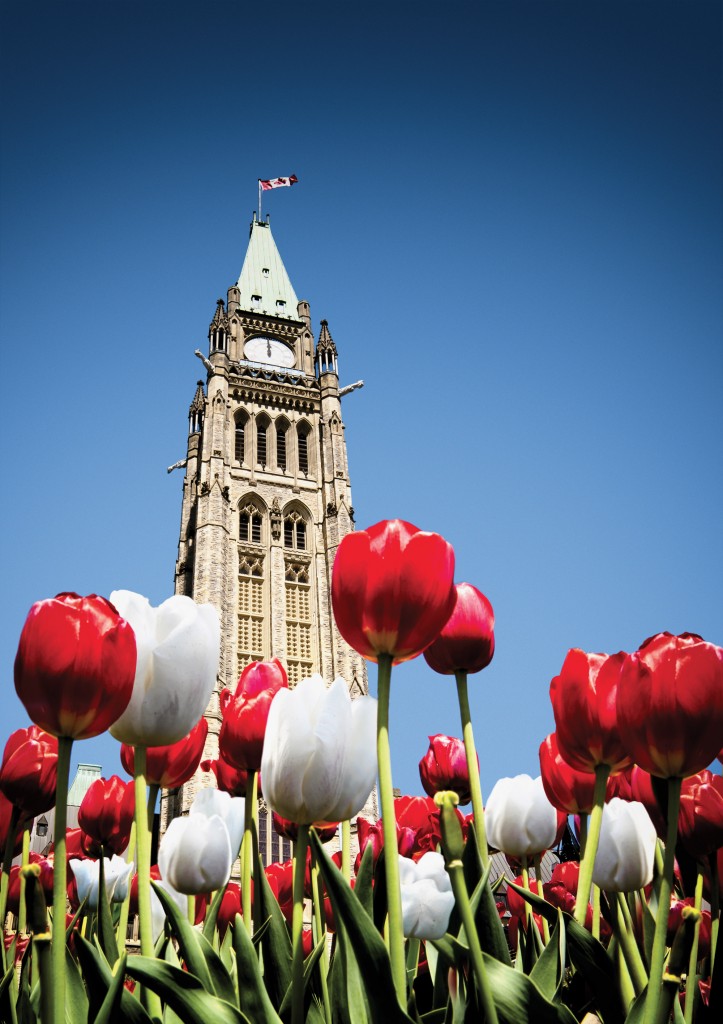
{"x": 282, "y": 427}
{"x": 240, "y": 438}
{"x": 295, "y": 532}
{"x": 250, "y": 524}
{"x": 303, "y": 432}
{"x": 262, "y": 432}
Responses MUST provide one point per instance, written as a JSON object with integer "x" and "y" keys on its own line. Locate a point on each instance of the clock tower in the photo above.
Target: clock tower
{"x": 266, "y": 493}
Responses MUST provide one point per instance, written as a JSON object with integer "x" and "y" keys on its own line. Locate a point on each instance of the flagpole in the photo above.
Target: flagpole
{"x": 259, "y": 200}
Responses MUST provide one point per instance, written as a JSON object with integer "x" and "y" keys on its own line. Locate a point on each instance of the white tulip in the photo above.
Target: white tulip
{"x": 319, "y": 761}
{"x": 519, "y": 818}
{"x": 427, "y": 897}
{"x": 195, "y": 854}
{"x": 626, "y": 851}
{"x": 117, "y": 874}
{"x": 210, "y": 801}
{"x": 178, "y": 652}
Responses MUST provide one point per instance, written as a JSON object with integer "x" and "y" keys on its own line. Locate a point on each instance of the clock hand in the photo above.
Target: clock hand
{"x": 268, "y": 348}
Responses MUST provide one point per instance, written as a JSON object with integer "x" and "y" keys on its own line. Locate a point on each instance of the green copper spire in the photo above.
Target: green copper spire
{"x": 264, "y": 284}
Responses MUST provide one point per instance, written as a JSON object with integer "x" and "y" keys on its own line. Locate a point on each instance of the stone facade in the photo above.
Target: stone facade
{"x": 266, "y": 494}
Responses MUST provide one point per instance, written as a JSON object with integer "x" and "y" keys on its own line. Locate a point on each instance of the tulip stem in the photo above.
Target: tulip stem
{"x": 7, "y": 864}
{"x": 151, "y": 1000}
{"x": 595, "y": 911}
{"x": 714, "y": 907}
{"x": 122, "y": 929}
{"x": 250, "y": 802}
{"x": 584, "y": 885}
{"x": 626, "y": 938}
{"x": 691, "y": 985}
{"x": 657, "y": 958}
{"x": 389, "y": 829}
{"x": 57, "y": 944}
{"x": 538, "y": 881}
{"x": 346, "y": 850}
{"x": 297, "y": 927}
{"x": 320, "y": 925}
{"x": 475, "y": 787}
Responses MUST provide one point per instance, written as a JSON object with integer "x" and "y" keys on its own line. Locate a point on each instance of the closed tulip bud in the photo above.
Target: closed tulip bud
{"x": 427, "y": 897}
{"x": 87, "y": 879}
{"x": 106, "y": 813}
{"x": 700, "y": 819}
{"x": 626, "y": 852}
{"x": 281, "y": 880}
{"x": 230, "y": 907}
{"x": 290, "y": 830}
{"x": 392, "y": 589}
{"x": 319, "y": 762}
{"x": 241, "y": 740}
{"x": 29, "y": 771}
{"x": 583, "y": 700}
{"x": 170, "y": 766}
{"x": 43, "y": 874}
{"x": 178, "y": 655}
{"x": 75, "y": 665}
{"x": 520, "y": 819}
{"x": 195, "y": 855}
{"x": 466, "y": 642}
{"x": 675, "y": 919}
{"x": 210, "y": 802}
{"x": 670, "y": 704}
{"x": 444, "y": 766}
{"x": 566, "y": 788}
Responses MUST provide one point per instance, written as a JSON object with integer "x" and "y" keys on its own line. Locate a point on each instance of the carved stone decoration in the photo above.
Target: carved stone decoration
{"x": 331, "y": 510}
{"x": 351, "y": 513}
{"x": 205, "y": 489}
{"x": 226, "y": 493}
{"x": 275, "y": 517}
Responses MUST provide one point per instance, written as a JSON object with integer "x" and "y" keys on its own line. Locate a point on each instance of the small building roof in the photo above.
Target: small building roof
{"x": 264, "y": 284}
{"x": 84, "y": 779}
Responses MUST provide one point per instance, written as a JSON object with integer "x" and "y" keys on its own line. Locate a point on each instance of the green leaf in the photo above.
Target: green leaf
{"x": 636, "y": 1014}
{"x": 106, "y": 931}
{"x": 588, "y": 957}
{"x": 188, "y": 940}
{"x": 549, "y": 970}
{"x": 537, "y": 903}
{"x": 346, "y": 991}
{"x": 222, "y": 982}
{"x": 491, "y": 933}
{"x": 275, "y": 942}
{"x": 309, "y": 965}
{"x": 519, "y": 1001}
{"x": 363, "y": 886}
{"x": 76, "y": 998}
{"x": 98, "y": 976}
{"x": 369, "y": 949}
{"x": 183, "y": 992}
{"x": 209, "y": 924}
{"x": 253, "y": 997}
{"x": 110, "y": 1008}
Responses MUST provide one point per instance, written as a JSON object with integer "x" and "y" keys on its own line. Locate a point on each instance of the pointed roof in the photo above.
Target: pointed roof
{"x": 264, "y": 275}
{"x": 199, "y": 399}
{"x": 325, "y": 339}
{"x": 220, "y": 315}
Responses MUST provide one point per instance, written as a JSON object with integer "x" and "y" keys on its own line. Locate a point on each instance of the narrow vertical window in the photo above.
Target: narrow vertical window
{"x": 240, "y": 440}
{"x": 303, "y": 449}
{"x": 262, "y": 425}
{"x": 281, "y": 447}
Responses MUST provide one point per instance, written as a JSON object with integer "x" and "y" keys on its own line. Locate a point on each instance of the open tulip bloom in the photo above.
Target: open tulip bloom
{"x": 117, "y": 873}
{"x": 427, "y": 897}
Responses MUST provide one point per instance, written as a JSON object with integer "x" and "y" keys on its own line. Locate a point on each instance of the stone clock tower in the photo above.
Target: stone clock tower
{"x": 266, "y": 494}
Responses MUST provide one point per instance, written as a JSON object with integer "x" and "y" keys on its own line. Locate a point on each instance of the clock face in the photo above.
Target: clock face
{"x": 269, "y": 350}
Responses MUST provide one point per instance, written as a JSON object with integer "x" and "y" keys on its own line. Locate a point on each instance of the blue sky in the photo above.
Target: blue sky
{"x": 510, "y": 215}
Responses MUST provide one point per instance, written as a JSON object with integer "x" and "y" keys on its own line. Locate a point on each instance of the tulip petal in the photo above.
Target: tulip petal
{"x": 196, "y": 858}
{"x": 323, "y": 778}
{"x": 359, "y": 770}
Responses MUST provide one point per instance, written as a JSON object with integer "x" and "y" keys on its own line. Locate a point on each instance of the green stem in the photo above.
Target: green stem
{"x": 5, "y": 880}
{"x": 151, "y": 1000}
{"x": 320, "y": 924}
{"x": 627, "y": 990}
{"x": 602, "y": 772}
{"x": 346, "y": 850}
{"x": 596, "y": 911}
{"x": 23, "y": 910}
{"x": 691, "y": 985}
{"x": 537, "y": 861}
{"x": 297, "y": 926}
{"x": 389, "y": 828}
{"x": 122, "y": 929}
{"x": 526, "y": 885}
{"x": 714, "y": 908}
{"x": 626, "y": 937}
{"x": 475, "y": 787}
{"x": 456, "y": 874}
{"x": 250, "y": 801}
{"x": 657, "y": 958}
{"x": 57, "y": 945}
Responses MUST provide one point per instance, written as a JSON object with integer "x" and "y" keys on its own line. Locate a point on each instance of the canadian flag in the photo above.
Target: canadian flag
{"x": 277, "y": 182}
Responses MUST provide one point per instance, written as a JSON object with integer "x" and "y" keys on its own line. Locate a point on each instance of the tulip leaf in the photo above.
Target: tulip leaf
{"x": 538, "y": 904}
{"x": 369, "y": 949}
{"x": 183, "y": 992}
{"x": 98, "y": 976}
{"x": 209, "y": 924}
{"x": 253, "y": 998}
{"x": 110, "y": 1008}
{"x": 636, "y": 1013}
{"x": 549, "y": 970}
{"x": 518, "y": 1000}
{"x": 309, "y": 966}
{"x": 106, "y": 931}
{"x": 275, "y": 941}
{"x": 364, "y": 884}
{"x": 76, "y": 998}
{"x": 188, "y": 939}
{"x": 589, "y": 957}
{"x": 346, "y": 991}
{"x": 223, "y": 985}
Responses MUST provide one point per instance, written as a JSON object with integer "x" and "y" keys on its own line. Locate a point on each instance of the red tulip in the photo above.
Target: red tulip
{"x": 467, "y": 641}
{"x": 241, "y": 740}
{"x": 567, "y": 789}
{"x": 670, "y": 704}
{"x": 229, "y": 779}
{"x": 75, "y": 665}
{"x": 561, "y": 891}
{"x": 392, "y": 589}
{"x": 106, "y": 813}
{"x": 444, "y": 766}
{"x": 7, "y": 813}
{"x": 45, "y": 881}
{"x": 700, "y": 820}
{"x": 583, "y": 701}
{"x": 281, "y": 880}
{"x": 30, "y": 770}
{"x": 133, "y": 893}
{"x": 170, "y": 766}
{"x": 230, "y": 907}
{"x": 290, "y": 830}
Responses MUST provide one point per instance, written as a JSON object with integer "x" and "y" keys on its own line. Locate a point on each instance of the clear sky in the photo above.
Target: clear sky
{"x": 510, "y": 215}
